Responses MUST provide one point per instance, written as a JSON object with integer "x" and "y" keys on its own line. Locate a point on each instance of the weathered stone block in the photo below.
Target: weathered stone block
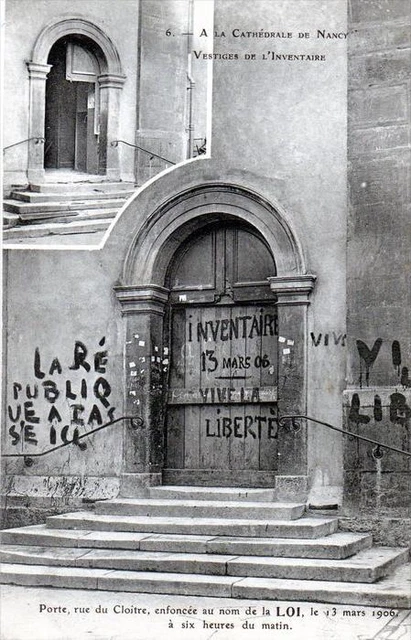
{"x": 378, "y": 37}
{"x": 291, "y": 487}
{"x": 379, "y": 494}
{"x": 394, "y": 532}
{"x": 131, "y": 483}
{"x": 379, "y": 219}
{"x": 381, "y": 10}
{"x": 377, "y": 181}
{"x": 379, "y": 139}
{"x": 24, "y": 516}
{"x": 380, "y": 372}
{"x": 375, "y": 105}
{"x": 386, "y": 493}
{"x": 72, "y": 487}
{"x": 379, "y": 68}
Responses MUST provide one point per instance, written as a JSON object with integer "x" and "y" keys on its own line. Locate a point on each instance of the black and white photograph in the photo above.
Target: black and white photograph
{"x": 206, "y": 357}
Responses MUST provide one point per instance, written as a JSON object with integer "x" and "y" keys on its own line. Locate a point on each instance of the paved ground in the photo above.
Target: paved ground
{"x": 29, "y": 613}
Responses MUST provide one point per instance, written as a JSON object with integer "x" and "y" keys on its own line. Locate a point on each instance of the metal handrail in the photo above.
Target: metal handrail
{"x": 136, "y": 422}
{"x": 114, "y": 143}
{"x": 377, "y": 453}
{"x": 38, "y": 139}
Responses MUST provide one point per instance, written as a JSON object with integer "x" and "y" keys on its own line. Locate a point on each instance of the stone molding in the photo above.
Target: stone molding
{"x": 111, "y": 81}
{"x": 142, "y": 299}
{"x": 37, "y": 70}
{"x": 75, "y": 26}
{"x": 292, "y": 290}
{"x": 172, "y": 222}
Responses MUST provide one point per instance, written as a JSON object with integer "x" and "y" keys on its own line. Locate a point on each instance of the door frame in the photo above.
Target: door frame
{"x": 144, "y": 298}
{"x": 110, "y": 81}
{"x": 220, "y": 293}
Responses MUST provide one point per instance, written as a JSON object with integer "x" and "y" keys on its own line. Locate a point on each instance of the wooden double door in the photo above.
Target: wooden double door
{"x": 221, "y": 425}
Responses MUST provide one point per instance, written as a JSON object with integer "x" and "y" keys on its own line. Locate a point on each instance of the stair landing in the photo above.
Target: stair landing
{"x": 69, "y": 206}
{"x": 221, "y": 542}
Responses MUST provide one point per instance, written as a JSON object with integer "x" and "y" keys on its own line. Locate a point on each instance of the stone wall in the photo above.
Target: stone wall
{"x": 377, "y": 402}
{"x": 279, "y": 134}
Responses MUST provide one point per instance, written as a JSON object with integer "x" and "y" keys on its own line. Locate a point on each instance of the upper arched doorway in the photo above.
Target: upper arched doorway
{"x": 221, "y": 332}
{"x": 73, "y": 126}
{"x": 78, "y": 115}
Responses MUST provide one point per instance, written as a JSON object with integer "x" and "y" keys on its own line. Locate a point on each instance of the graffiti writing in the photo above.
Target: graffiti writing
{"x": 240, "y": 327}
{"x": 209, "y": 362}
{"x": 337, "y": 339}
{"x": 398, "y": 410}
{"x": 256, "y": 427}
{"x": 368, "y": 357}
{"x": 57, "y": 405}
{"x": 220, "y": 395}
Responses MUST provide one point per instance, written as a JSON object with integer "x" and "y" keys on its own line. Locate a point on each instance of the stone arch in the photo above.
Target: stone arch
{"x": 144, "y": 300}
{"x": 110, "y": 80}
{"x": 77, "y": 26}
{"x": 168, "y": 226}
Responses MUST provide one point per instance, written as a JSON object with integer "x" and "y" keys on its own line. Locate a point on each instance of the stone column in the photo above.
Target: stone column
{"x": 37, "y": 108}
{"x": 292, "y": 302}
{"x": 110, "y": 87}
{"x": 146, "y": 365}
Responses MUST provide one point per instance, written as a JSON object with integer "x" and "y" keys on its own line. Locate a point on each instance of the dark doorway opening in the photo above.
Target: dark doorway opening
{"x": 72, "y": 127}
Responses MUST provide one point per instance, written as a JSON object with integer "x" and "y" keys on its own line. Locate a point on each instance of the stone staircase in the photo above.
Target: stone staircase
{"x": 51, "y": 210}
{"x": 221, "y": 542}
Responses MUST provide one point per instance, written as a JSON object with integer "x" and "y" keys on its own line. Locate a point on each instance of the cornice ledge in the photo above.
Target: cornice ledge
{"x": 111, "y": 80}
{"x": 142, "y": 299}
{"x": 292, "y": 289}
{"x": 38, "y": 70}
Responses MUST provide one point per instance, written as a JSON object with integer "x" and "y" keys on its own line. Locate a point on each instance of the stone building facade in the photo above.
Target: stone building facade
{"x": 260, "y": 281}
{"x": 79, "y": 81}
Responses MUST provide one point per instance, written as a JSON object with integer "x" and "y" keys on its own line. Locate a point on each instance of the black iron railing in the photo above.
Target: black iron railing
{"x": 135, "y": 422}
{"x": 294, "y": 424}
{"x": 152, "y": 155}
{"x": 37, "y": 140}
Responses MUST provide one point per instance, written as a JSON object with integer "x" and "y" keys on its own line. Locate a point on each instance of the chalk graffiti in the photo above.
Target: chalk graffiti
{"x": 56, "y": 405}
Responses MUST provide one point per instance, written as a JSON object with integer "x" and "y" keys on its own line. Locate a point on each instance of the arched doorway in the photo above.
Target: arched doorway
{"x": 72, "y": 117}
{"x": 76, "y": 53}
{"x": 221, "y": 332}
{"x": 228, "y": 258}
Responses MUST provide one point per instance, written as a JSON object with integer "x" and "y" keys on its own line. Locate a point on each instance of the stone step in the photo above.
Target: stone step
{"x": 81, "y": 187}
{"x": 75, "y": 226}
{"x": 33, "y": 210}
{"x": 63, "y": 219}
{"x": 10, "y": 220}
{"x": 89, "y": 237}
{"x": 73, "y": 195}
{"x": 203, "y": 509}
{"x": 226, "y": 494}
{"x": 367, "y": 566}
{"x": 338, "y": 545}
{"x": 392, "y": 591}
{"x": 307, "y": 527}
